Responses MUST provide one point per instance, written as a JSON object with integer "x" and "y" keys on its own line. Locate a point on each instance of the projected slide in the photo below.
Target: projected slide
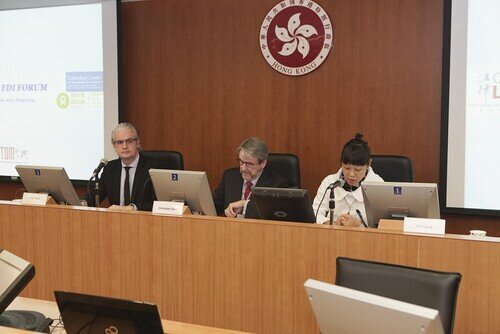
{"x": 52, "y": 88}
{"x": 474, "y": 114}
{"x": 483, "y": 105}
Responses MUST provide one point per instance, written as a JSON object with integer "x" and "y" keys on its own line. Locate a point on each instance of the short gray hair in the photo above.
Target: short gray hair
{"x": 254, "y": 147}
{"x": 124, "y": 126}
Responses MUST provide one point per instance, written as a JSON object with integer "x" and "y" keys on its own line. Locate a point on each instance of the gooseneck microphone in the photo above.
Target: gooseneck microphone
{"x": 331, "y": 203}
{"x": 101, "y": 165}
{"x": 338, "y": 183}
{"x": 97, "y": 191}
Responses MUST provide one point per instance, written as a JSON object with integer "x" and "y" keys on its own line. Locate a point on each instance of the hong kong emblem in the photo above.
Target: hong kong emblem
{"x": 296, "y": 37}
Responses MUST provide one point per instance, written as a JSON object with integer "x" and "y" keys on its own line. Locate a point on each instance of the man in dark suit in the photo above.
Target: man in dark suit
{"x": 125, "y": 181}
{"x": 233, "y": 195}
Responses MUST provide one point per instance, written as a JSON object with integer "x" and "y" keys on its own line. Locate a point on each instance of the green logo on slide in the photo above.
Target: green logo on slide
{"x": 62, "y": 100}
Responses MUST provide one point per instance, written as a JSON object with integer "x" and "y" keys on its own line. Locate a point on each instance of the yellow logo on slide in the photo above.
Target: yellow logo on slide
{"x": 62, "y": 100}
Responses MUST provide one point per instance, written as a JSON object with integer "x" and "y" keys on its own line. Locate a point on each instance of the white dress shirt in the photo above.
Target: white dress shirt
{"x": 254, "y": 182}
{"x": 131, "y": 175}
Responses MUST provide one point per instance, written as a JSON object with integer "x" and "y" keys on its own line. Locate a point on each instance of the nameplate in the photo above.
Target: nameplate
{"x": 35, "y": 198}
{"x": 424, "y": 225}
{"x": 168, "y": 208}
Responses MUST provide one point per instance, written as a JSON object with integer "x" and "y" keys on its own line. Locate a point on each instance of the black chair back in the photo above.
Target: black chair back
{"x": 393, "y": 168}
{"x": 287, "y": 165}
{"x": 433, "y": 289}
{"x": 166, "y": 159}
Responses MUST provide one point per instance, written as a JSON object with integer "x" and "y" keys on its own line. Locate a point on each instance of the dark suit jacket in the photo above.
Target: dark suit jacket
{"x": 142, "y": 190}
{"x": 231, "y": 185}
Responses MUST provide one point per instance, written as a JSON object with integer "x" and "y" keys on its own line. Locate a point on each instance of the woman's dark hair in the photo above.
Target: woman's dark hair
{"x": 356, "y": 152}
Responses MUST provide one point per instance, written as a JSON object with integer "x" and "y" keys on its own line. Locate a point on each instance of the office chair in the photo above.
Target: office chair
{"x": 393, "y": 168}
{"x": 433, "y": 289}
{"x": 287, "y": 165}
{"x": 166, "y": 159}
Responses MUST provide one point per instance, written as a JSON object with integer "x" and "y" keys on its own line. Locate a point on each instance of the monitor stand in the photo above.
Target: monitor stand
{"x": 399, "y": 213}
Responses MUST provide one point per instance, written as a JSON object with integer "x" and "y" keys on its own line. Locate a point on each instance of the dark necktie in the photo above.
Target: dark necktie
{"x": 248, "y": 190}
{"x": 126, "y": 187}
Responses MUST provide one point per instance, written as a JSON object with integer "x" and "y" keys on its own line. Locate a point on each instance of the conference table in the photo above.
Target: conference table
{"x": 237, "y": 274}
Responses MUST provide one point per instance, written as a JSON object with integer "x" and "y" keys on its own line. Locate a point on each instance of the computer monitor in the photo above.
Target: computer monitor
{"x": 82, "y": 313}
{"x": 343, "y": 310}
{"x": 283, "y": 204}
{"x": 15, "y": 274}
{"x": 396, "y": 200}
{"x": 49, "y": 180}
{"x": 185, "y": 186}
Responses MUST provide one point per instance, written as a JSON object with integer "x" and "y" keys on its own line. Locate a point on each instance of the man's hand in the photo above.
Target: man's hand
{"x": 235, "y": 208}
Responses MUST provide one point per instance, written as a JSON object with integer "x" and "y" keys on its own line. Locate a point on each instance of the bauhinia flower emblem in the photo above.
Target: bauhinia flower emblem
{"x": 295, "y": 37}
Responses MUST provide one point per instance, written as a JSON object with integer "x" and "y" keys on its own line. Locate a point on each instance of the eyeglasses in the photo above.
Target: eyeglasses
{"x": 249, "y": 165}
{"x": 128, "y": 141}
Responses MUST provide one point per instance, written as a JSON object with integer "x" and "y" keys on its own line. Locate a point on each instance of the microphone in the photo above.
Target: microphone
{"x": 338, "y": 183}
{"x": 101, "y": 165}
{"x": 331, "y": 203}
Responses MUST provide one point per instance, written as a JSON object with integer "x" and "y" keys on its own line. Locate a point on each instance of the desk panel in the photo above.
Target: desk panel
{"x": 129, "y": 256}
{"x": 478, "y": 307}
{"x": 250, "y": 274}
{"x": 243, "y": 275}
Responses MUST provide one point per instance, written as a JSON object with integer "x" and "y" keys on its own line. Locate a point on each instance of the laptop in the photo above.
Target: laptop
{"x": 87, "y": 314}
{"x": 284, "y": 204}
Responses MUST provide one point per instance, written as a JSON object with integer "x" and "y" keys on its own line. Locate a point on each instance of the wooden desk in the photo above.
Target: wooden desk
{"x": 49, "y": 309}
{"x": 238, "y": 274}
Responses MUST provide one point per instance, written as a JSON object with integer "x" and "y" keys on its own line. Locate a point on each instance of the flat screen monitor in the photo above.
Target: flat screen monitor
{"x": 343, "y": 310}
{"x": 396, "y": 200}
{"x": 186, "y": 186}
{"x": 49, "y": 180}
{"x": 15, "y": 274}
{"x": 96, "y": 315}
{"x": 283, "y": 204}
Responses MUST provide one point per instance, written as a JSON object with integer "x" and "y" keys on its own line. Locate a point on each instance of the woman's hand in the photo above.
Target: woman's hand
{"x": 347, "y": 220}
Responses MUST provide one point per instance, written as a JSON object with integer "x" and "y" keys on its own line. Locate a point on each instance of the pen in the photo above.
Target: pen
{"x": 361, "y": 217}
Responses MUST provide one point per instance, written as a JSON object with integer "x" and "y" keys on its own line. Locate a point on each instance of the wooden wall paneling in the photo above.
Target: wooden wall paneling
{"x": 142, "y": 86}
{"x": 140, "y": 263}
{"x": 217, "y": 82}
{"x": 197, "y": 286}
{"x": 73, "y": 237}
{"x": 10, "y": 190}
{"x": 251, "y": 267}
{"x": 455, "y": 256}
{"x": 462, "y": 224}
{"x": 60, "y": 263}
{"x": 90, "y": 252}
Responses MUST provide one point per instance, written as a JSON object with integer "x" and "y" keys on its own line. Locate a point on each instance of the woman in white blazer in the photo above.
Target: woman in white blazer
{"x": 349, "y": 205}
